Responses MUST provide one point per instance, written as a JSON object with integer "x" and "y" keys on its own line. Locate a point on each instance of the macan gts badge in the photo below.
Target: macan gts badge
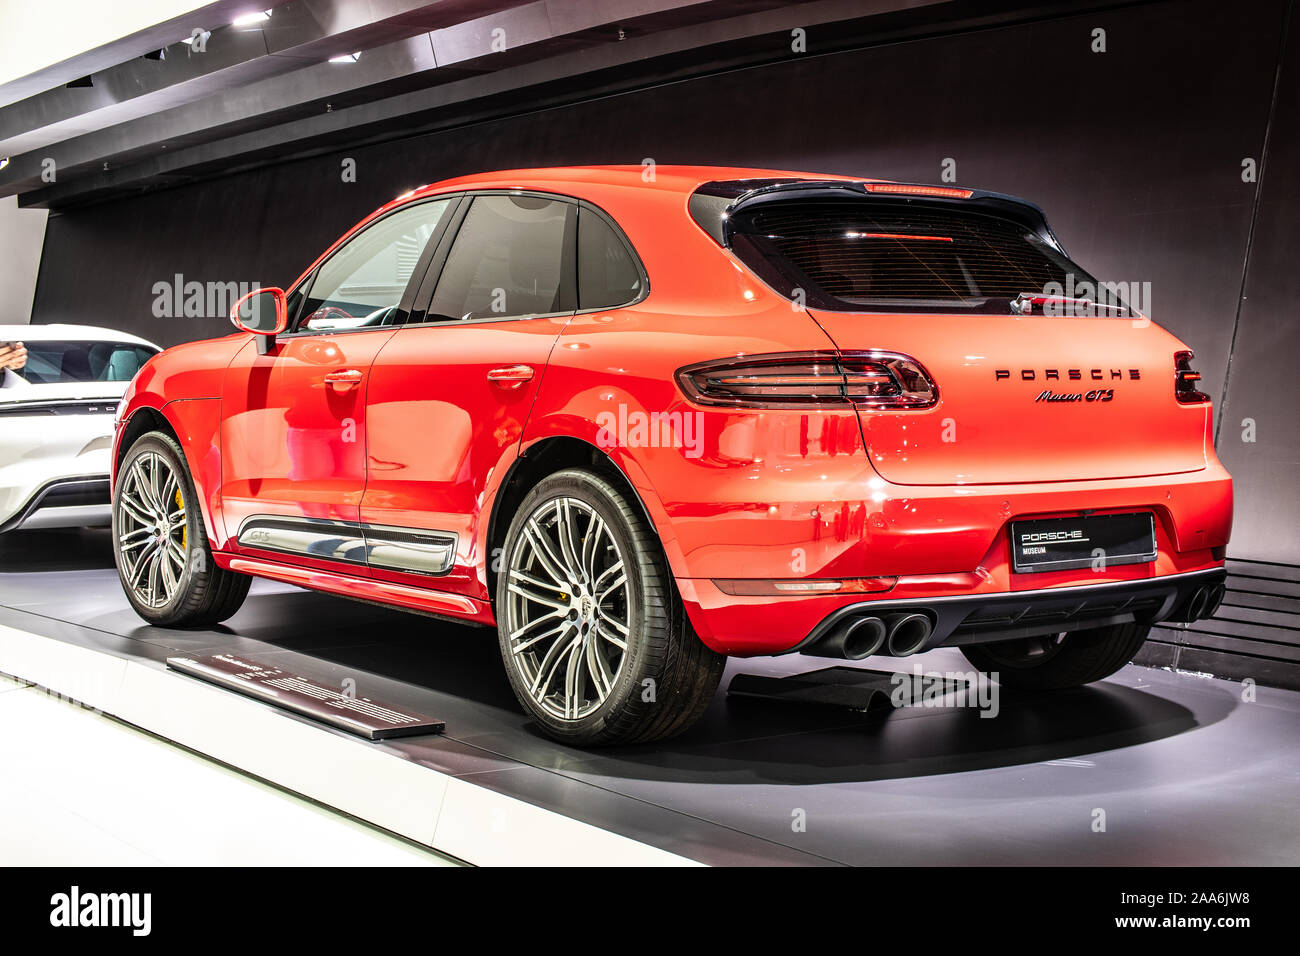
{"x": 896, "y": 444}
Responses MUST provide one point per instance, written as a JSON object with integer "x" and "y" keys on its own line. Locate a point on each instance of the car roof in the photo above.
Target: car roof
{"x": 683, "y": 178}
{"x": 59, "y": 333}
{"x": 571, "y": 179}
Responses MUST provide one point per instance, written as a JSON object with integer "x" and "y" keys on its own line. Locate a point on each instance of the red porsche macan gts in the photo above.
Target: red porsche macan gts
{"x": 640, "y": 420}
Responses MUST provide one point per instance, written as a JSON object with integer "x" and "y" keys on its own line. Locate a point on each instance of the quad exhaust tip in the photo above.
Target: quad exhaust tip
{"x": 908, "y": 633}
{"x": 897, "y": 635}
{"x": 853, "y": 640}
{"x": 905, "y": 633}
{"x": 1205, "y": 602}
{"x": 1215, "y": 599}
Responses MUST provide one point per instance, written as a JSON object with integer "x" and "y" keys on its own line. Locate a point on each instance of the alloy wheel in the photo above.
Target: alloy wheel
{"x": 151, "y": 533}
{"x": 568, "y": 608}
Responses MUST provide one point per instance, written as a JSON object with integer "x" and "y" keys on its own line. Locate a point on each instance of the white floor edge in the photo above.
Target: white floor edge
{"x": 445, "y": 813}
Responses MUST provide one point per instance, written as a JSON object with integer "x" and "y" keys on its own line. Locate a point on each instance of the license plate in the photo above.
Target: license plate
{"x": 1058, "y": 544}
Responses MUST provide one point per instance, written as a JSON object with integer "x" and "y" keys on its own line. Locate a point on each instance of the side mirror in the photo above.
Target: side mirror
{"x": 262, "y": 312}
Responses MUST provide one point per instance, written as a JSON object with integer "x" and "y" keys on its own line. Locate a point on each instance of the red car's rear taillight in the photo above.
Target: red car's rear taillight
{"x": 801, "y": 379}
{"x": 1185, "y": 379}
{"x": 887, "y": 380}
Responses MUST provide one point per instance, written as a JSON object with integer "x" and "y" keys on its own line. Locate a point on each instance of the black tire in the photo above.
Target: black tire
{"x": 204, "y": 593}
{"x": 1060, "y": 661}
{"x": 666, "y": 675}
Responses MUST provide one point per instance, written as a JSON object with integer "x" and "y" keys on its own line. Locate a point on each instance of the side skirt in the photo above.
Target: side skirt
{"x": 424, "y": 600}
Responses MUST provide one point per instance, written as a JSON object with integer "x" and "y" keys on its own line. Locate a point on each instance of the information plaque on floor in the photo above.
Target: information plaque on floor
{"x": 363, "y": 716}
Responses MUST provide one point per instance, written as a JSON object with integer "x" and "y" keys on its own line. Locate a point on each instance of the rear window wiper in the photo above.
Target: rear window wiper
{"x": 1024, "y": 303}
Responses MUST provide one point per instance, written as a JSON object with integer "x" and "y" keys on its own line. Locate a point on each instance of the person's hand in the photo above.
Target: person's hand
{"x": 13, "y": 356}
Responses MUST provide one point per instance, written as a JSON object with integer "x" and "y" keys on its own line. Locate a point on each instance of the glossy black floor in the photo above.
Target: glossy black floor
{"x": 1185, "y": 771}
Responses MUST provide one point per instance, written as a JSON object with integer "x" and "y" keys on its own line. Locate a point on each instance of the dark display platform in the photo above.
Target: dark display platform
{"x": 1184, "y": 770}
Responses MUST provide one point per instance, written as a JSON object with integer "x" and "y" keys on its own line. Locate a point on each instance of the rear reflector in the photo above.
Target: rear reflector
{"x": 755, "y": 587}
{"x": 907, "y": 189}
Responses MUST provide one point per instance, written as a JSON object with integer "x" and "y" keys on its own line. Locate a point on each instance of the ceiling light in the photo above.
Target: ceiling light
{"x": 248, "y": 19}
{"x": 346, "y": 58}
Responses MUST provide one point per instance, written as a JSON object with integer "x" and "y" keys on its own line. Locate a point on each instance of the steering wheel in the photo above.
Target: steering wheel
{"x": 329, "y": 312}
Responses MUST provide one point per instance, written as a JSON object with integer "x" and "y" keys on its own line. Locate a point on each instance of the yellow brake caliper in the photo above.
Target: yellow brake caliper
{"x": 180, "y": 506}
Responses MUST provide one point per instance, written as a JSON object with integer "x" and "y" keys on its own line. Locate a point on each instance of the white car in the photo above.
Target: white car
{"x": 56, "y": 423}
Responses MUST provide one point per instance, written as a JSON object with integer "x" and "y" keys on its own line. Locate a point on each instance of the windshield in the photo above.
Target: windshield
{"x": 72, "y": 361}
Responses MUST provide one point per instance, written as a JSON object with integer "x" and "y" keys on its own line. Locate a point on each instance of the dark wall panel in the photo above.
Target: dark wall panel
{"x": 1135, "y": 153}
{"x": 1263, "y": 398}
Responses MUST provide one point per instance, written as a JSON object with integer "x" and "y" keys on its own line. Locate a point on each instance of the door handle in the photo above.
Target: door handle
{"x": 343, "y": 378}
{"x": 510, "y": 376}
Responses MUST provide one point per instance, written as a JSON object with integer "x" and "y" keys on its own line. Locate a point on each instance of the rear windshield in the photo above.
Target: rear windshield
{"x": 869, "y": 255}
{"x": 58, "y": 362}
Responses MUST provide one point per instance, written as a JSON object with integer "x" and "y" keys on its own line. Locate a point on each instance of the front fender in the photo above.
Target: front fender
{"x": 196, "y": 423}
{"x": 182, "y": 387}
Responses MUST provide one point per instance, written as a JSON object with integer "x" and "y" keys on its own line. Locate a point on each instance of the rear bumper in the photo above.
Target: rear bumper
{"x": 987, "y": 618}
{"x": 938, "y": 544}
{"x": 63, "y": 503}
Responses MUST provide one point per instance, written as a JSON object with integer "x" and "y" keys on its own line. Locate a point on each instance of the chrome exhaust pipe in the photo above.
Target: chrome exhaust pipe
{"x": 1196, "y": 606}
{"x": 907, "y": 633}
{"x": 853, "y": 640}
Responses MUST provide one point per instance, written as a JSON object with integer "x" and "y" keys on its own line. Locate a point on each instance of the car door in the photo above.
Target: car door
{"x": 293, "y": 420}
{"x": 450, "y": 392}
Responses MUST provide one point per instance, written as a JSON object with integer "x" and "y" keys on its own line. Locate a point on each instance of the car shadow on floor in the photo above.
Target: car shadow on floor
{"x": 746, "y": 741}
{"x": 456, "y": 670}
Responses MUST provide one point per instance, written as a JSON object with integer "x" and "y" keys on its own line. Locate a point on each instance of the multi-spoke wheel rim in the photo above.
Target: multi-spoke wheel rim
{"x": 151, "y": 529}
{"x": 568, "y": 608}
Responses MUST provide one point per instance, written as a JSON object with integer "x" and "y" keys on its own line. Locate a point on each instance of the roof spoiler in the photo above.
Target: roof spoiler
{"x": 714, "y": 204}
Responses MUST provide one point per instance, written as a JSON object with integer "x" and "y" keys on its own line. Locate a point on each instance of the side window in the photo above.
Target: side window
{"x": 121, "y": 362}
{"x": 513, "y": 256}
{"x": 608, "y": 276}
{"x": 361, "y": 285}
{"x": 293, "y": 305}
